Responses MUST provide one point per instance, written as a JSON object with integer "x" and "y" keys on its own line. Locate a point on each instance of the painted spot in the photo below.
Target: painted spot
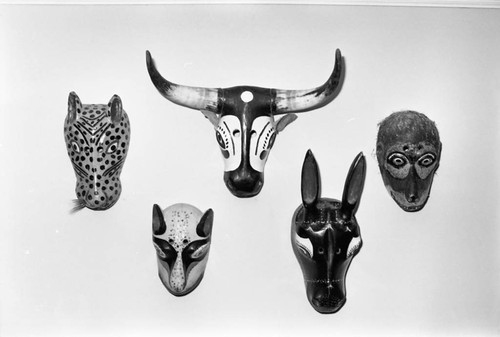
{"x": 246, "y": 96}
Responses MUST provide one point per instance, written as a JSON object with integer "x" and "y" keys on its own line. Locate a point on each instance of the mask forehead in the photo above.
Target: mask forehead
{"x": 181, "y": 221}
{"x": 406, "y": 128}
{"x": 262, "y": 137}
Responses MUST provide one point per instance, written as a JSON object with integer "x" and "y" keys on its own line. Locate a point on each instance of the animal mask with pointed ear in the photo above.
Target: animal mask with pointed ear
{"x": 326, "y": 236}
{"x": 408, "y": 154}
{"x": 243, "y": 119}
{"x": 97, "y": 138}
{"x": 181, "y": 236}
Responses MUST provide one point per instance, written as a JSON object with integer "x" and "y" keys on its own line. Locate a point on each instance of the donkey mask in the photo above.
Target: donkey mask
{"x": 408, "y": 154}
{"x": 181, "y": 236}
{"x": 326, "y": 236}
{"x": 243, "y": 118}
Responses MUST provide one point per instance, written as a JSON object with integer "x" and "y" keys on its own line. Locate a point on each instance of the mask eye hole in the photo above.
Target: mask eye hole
{"x": 397, "y": 160}
{"x": 427, "y": 160}
{"x": 220, "y": 140}
{"x": 75, "y": 147}
{"x": 200, "y": 251}
{"x": 236, "y": 133}
{"x": 253, "y": 134}
{"x": 112, "y": 147}
{"x": 159, "y": 251}
{"x": 304, "y": 245}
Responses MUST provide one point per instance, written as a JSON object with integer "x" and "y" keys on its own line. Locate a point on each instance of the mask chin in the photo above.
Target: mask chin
{"x": 410, "y": 196}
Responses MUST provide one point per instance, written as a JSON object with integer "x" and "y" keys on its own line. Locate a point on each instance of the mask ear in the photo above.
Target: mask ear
{"x": 204, "y": 227}
{"x": 115, "y": 109}
{"x": 284, "y": 121}
{"x": 74, "y": 107}
{"x": 311, "y": 181}
{"x": 159, "y": 226}
{"x": 353, "y": 187}
{"x": 212, "y": 117}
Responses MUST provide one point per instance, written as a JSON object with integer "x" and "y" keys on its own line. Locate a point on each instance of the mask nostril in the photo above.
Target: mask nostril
{"x": 412, "y": 198}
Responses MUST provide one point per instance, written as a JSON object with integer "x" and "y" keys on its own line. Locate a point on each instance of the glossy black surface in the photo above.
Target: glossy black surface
{"x": 325, "y": 235}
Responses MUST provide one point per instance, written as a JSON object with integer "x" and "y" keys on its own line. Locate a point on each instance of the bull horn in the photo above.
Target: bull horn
{"x": 304, "y": 100}
{"x": 189, "y": 97}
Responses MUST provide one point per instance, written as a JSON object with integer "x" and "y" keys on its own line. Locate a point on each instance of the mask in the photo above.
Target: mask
{"x": 244, "y": 120}
{"x": 325, "y": 235}
{"x": 97, "y": 138}
{"x": 408, "y": 154}
{"x": 181, "y": 237}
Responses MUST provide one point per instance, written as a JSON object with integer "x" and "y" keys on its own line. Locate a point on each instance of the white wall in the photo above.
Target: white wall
{"x": 435, "y": 272}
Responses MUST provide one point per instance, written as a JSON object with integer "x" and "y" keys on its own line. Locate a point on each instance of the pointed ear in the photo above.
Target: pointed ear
{"x": 115, "y": 109}
{"x": 311, "y": 181}
{"x": 159, "y": 226}
{"x": 353, "y": 187}
{"x": 212, "y": 117}
{"x": 283, "y": 122}
{"x": 74, "y": 107}
{"x": 204, "y": 227}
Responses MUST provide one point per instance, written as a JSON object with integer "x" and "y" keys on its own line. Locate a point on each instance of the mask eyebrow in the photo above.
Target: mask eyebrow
{"x": 260, "y": 136}
{"x": 229, "y": 132}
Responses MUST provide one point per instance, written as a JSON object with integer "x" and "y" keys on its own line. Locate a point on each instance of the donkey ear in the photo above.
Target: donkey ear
{"x": 159, "y": 226}
{"x": 353, "y": 187}
{"x": 74, "y": 106}
{"x": 212, "y": 117}
{"x": 283, "y": 122}
{"x": 311, "y": 181}
{"x": 115, "y": 109}
{"x": 204, "y": 227}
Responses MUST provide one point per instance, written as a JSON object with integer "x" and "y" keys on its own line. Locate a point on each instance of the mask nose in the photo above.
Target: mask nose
{"x": 177, "y": 276}
{"x": 244, "y": 183}
{"x": 411, "y": 193}
{"x": 328, "y": 300}
{"x": 97, "y": 198}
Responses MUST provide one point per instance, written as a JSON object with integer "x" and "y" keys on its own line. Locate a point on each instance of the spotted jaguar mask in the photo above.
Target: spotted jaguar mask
{"x": 408, "y": 155}
{"x": 97, "y": 139}
{"x": 181, "y": 237}
{"x": 244, "y": 120}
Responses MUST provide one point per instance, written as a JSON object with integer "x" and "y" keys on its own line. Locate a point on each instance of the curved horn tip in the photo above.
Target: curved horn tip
{"x": 149, "y": 58}
{"x": 360, "y": 157}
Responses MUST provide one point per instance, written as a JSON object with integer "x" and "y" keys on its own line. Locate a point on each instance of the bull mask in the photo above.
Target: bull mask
{"x": 243, "y": 118}
{"x": 181, "y": 237}
{"x": 326, "y": 236}
{"x": 97, "y": 139}
{"x": 408, "y": 154}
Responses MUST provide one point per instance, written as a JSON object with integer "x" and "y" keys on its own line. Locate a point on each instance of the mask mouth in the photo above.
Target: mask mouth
{"x": 96, "y": 201}
{"x": 244, "y": 185}
{"x": 326, "y": 297}
{"x": 328, "y": 306}
{"x": 409, "y": 206}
